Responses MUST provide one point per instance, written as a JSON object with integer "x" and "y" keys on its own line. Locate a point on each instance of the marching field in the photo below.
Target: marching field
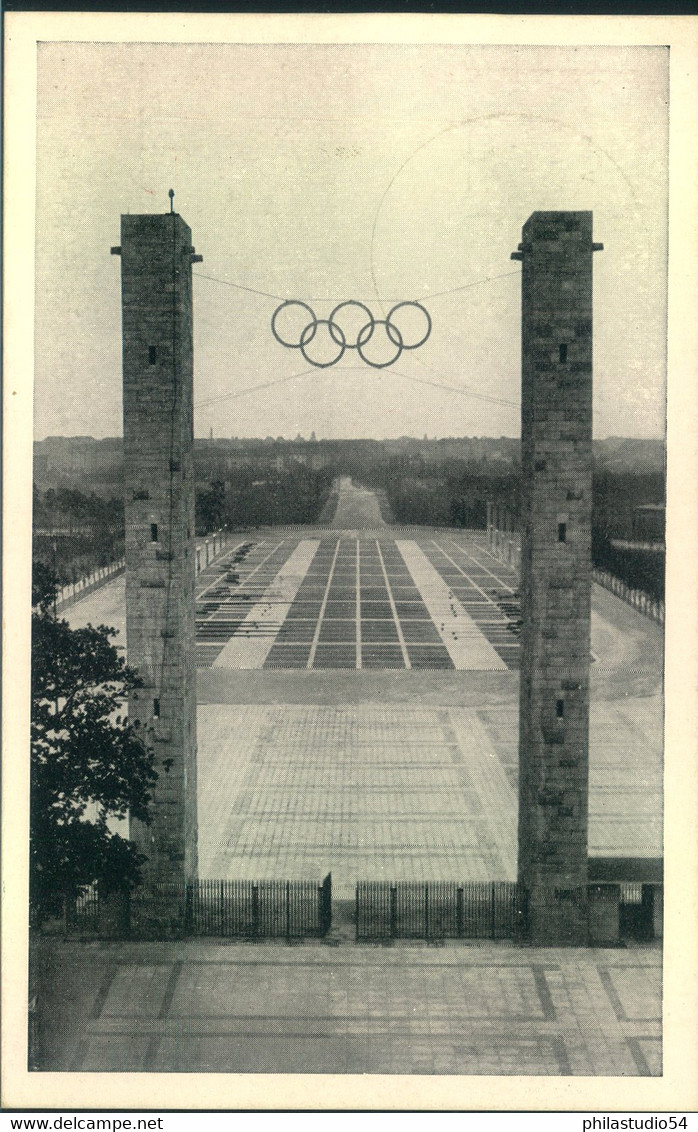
{"x": 358, "y": 706}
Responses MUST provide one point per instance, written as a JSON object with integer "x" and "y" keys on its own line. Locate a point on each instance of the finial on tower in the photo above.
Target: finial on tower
{"x": 171, "y": 196}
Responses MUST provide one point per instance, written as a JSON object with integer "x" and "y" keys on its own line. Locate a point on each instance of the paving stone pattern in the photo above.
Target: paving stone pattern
{"x": 355, "y": 603}
{"x": 491, "y": 1009}
{"x": 369, "y": 792}
{"x": 401, "y": 792}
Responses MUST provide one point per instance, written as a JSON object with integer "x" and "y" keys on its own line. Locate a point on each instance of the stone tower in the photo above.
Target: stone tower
{"x": 556, "y": 431}
{"x": 156, "y": 256}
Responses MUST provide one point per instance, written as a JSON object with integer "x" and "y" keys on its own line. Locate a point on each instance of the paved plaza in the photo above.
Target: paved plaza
{"x": 322, "y": 749}
{"x": 266, "y": 1008}
{"x": 282, "y": 601}
{"x": 369, "y": 792}
{"x": 358, "y": 713}
{"x": 400, "y": 792}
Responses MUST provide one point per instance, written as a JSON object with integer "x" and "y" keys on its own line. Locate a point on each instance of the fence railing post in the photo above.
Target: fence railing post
{"x": 393, "y": 912}
{"x": 327, "y": 885}
{"x": 188, "y": 908}
{"x": 486, "y": 909}
{"x": 255, "y": 909}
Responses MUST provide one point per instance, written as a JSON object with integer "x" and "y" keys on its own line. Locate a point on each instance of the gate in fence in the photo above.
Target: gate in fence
{"x": 92, "y": 912}
{"x": 290, "y": 909}
{"x": 84, "y": 912}
{"x": 404, "y": 910}
{"x": 439, "y": 910}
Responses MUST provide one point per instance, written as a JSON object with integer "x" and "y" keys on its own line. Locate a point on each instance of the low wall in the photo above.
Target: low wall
{"x": 75, "y": 591}
{"x": 206, "y": 551}
{"x": 637, "y": 598}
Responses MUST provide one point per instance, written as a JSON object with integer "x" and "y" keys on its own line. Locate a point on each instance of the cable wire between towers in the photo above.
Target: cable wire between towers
{"x": 466, "y": 392}
{"x": 424, "y": 298}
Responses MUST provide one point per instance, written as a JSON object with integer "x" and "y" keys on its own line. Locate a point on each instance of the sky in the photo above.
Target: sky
{"x": 325, "y": 173}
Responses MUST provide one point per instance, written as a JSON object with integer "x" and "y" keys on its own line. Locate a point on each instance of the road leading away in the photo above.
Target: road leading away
{"x": 357, "y": 508}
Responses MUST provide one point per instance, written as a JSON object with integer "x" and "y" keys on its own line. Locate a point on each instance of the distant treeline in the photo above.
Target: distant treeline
{"x": 250, "y": 499}
{"x": 615, "y": 496}
{"x": 454, "y": 493}
{"x": 75, "y": 533}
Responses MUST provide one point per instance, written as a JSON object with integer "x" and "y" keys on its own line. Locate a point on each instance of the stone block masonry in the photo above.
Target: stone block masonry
{"x": 556, "y": 431}
{"x": 156, "y": 256}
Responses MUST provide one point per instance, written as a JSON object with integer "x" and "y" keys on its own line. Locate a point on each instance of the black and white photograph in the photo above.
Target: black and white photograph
{"x": 344, "y": 747}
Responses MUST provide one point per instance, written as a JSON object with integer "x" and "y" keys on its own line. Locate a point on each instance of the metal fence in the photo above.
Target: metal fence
{"x": 290, "y": 909}
{"x": 439, "y": 910}
{"x": 83, "y": 915}
{"x": 436, "y": 910}
{"x": 506, "y": 548}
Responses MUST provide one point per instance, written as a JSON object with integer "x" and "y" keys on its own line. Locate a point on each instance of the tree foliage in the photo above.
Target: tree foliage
{"x": 75, "y": 533}
{"x": 210, "y": 508}
{"x": 87, "y": 762}
{"x": 250, "y": 498}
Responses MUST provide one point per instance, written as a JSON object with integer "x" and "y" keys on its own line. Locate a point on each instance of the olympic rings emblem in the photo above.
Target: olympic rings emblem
{"x": 339, "y": 340}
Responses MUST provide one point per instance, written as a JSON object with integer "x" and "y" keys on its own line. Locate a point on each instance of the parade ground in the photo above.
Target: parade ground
{"x": 358, "y": 707}
{"x": 358, "y": 714}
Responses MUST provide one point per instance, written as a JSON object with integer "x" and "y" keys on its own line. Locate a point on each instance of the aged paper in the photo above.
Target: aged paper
{"x": 26, "y": 36}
